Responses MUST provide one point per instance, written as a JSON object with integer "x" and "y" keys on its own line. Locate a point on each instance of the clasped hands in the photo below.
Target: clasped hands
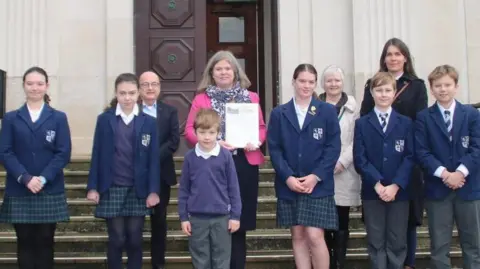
{"x": 35, "y": 184}
{"x": 302, "y": 184}
{"x": 386, "y": 193}
{"x": 454, "y": 180}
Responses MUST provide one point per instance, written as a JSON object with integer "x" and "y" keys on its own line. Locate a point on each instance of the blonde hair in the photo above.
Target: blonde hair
{"x": 207, "y": 78}
{"x": 331, "y": 69}
{"x": 441, "y": 71}
{"x": 207, "y": 118}
{"x": 383, "y": 78}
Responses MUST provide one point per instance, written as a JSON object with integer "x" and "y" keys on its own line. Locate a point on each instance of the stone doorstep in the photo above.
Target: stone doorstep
{"x": 182, "y": 257}
{"x": 9, "y": 237}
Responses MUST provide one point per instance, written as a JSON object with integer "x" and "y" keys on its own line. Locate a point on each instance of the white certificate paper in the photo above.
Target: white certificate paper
{"x": 241, "y": 124}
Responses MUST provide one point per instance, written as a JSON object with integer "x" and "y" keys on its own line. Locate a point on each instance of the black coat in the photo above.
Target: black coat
{"x": 169, "y": 140}
{"x": 411, "y": 101}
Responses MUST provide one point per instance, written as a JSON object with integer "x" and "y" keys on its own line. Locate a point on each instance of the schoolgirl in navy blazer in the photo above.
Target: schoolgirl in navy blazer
{"x": 147, "y": 158}
{"x": 302, "y": 158}
{"x": 28, "y": 150}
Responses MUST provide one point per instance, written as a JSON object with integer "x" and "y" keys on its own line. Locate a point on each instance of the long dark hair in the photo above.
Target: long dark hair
{"x": 41, "y": 71}
{"x": 306, "y": 68}
{"x": 398, "y": 43}
{"x": 125, "y": 77}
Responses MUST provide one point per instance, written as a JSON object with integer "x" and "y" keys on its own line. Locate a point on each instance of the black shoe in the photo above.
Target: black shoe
{"x": 330, "y": 241}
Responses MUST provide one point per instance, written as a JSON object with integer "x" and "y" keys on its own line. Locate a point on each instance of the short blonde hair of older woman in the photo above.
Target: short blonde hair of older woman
{"x": 331, "y": 69}
{"x": 207, "y": 78}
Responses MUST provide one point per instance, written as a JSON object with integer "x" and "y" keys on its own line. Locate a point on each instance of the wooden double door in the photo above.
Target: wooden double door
{"x": 175, "y": 38}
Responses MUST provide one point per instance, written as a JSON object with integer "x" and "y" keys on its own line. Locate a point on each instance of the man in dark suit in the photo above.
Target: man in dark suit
{"x": 169, "y": 138}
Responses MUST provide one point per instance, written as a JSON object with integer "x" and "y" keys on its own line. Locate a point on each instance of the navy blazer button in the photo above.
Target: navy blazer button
{"x": 384, "y": 159}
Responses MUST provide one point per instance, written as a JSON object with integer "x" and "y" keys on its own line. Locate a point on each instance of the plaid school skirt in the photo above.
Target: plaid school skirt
{"x": 35, "y": 209}
{"x": 120, "y": 201}
{"x": 307, "y": 211}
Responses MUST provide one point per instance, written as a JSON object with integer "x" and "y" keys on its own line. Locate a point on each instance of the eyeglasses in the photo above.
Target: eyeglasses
{"x": 147, "y": 85}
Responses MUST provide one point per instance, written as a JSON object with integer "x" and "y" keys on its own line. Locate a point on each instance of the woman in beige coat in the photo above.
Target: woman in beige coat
{"x": 347, "y": 181}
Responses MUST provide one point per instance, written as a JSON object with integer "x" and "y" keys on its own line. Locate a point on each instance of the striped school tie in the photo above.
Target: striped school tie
{"x": 383, "y": 118}
{"x": 448, "y": 122}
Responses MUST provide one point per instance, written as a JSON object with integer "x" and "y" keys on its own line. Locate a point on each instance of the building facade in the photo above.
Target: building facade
{"x": 85, "y": 44}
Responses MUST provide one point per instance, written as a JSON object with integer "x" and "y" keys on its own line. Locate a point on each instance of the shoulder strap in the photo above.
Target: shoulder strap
{"x": 400, "y": 91}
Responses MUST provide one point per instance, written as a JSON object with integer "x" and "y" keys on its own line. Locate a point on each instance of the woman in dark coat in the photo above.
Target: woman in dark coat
{"x": 411, "y": 98}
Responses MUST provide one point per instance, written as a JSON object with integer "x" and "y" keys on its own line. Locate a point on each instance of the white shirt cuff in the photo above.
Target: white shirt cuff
{"x": 463, "y": 169}
{"x": 439, "y": 171}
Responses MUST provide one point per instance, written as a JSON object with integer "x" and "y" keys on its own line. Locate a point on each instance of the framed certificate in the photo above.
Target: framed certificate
{"x": 241, "y": 124}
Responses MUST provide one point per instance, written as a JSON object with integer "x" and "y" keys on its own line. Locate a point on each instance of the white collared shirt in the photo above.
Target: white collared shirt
{"x": 200, "y": 153}
{"x": 378, "y": 112}
{"x": 301, "y": 112}
{"x": 150, "y": 110}
{"x": 127, "y": 118}
{"x": 35, "y": 114}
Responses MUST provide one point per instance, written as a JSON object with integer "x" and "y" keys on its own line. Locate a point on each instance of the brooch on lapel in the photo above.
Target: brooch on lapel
{"x": 145, "y": 140}
{"x": 312, "y": 110}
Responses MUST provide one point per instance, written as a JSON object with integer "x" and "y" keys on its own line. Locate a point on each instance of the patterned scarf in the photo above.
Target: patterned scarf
{"x": 220, "y": 97}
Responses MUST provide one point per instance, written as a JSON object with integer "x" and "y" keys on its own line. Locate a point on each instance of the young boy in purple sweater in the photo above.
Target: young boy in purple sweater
{"x": 209, "y": 201}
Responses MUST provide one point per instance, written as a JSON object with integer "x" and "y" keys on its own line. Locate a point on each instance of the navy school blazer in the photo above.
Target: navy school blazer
{"x": 433, "y": 149}
{"x": 146, "y": 149}
{"x": 314, "y": 149}
{"x": 387, "y": 157}
{"x": 42, "y": 148}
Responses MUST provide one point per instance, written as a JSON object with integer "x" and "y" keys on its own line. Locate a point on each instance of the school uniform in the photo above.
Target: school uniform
{"x": 303, "y": 142}
{"x": 409, "y": 102}
{"x": 383, "y": 152}
{"x": 124, "y": 171}
{"x": 208, "y": 197}
{"x": 450, "y": 139}
{"x": 35, "y": 144}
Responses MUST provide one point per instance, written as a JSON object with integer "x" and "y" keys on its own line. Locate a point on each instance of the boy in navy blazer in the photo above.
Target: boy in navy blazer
{"x": 383, "y": 156}
{"x": 447, "y": 137}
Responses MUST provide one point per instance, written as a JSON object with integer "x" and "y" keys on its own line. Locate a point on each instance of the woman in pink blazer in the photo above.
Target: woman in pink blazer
{"x": 224, "y": 81}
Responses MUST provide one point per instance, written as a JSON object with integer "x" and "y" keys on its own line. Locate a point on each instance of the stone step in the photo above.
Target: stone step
{"x": 265, "y": 259}
{"x": 90, "y": 224}
{"x": 84, "y": 207}
{"x": 78, "y": 190}
{"x": 81, "y": 176}
{"x": 272, "y": 239}
{"x": 82, "y": 163}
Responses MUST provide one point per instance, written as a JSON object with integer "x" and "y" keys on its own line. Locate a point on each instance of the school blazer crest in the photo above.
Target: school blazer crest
{"x": 146, "y": 150}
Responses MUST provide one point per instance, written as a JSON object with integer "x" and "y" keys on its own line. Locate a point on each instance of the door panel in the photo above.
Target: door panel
{"x": 233, "y": 27}
{"x": 170, "y": 40}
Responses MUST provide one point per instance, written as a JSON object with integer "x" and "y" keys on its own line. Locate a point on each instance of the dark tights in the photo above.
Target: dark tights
{"x": 35, "y": 244}
{"x": 125, "y": 232}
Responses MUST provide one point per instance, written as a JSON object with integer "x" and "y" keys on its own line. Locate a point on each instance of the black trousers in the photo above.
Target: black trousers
{"x": 239, "y": 250}
{"x": 35, "y": 244}
{"x": 159, "y": 228}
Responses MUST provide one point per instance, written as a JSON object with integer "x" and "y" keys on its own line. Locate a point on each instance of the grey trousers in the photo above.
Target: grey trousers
{"x": 441, "y": 216}
{"x": 211, "y": 243}
{"x": 386, "y": 225}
